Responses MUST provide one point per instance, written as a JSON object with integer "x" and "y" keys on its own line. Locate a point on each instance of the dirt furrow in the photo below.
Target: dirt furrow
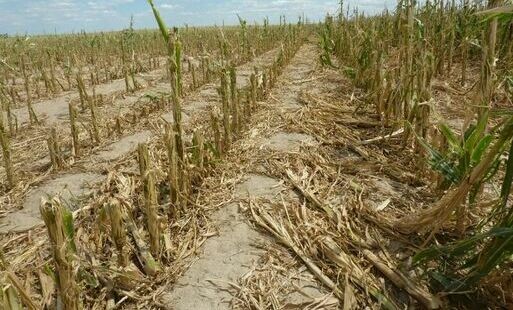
{"x": 28, "y": 144}
{"x": 55, "y": 109}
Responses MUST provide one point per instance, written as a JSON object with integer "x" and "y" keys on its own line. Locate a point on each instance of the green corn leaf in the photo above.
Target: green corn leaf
{"x": 503, "y": 13}
{"x": 509, "y": 83}
{"x": 502, "y": 111}
{"x": 506, "y": 187}
{"x": 212, "y": 148}
{"x": 476, "y": 133}
{"x": 471, "y": 263}
{"x": 492, "y": 256}
{"x": 47, "y": 269}
{"x": 448, "y": 283}
{"x": 427, "y": 255}
{"x": 349, "y": 72}
{"x": 385, "y": 302}
{"x": 162, "y": 26}
{"x": 492, "y": 170}
{"x": 462, "y": 247}
{"x": 88, "y": 278}
{"x": 480, "y": 149}
{"x": 451, "y": 250}
{"x": 470, "y": 130}
{"x": 508, "y": 179}
{"x": 450, "y": 137}
{"x": 67, "y": 219}
{"x": 498, "y": 249}
{"x": 438, "y": 161}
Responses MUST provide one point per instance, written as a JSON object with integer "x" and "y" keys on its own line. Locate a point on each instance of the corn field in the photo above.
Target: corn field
{"x": 436, "y": 77}
{"x": 381, "y": 146}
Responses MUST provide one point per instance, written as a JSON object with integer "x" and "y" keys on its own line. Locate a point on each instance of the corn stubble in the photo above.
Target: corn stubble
{"x": 138, "y": 229}
{"x": 59, "y": 223}
{"x": 6, "y": 155}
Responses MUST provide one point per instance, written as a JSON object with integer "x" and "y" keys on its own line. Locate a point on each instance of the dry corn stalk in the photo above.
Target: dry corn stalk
{"x": 233, "y": 83}
{"x": 178, "y": 62}
{"x": 125, "y": 68}
{"x": 279, "y": 231}
{"x": 207, "y": 70}
{"x": 118, "y": 230}
{"x": 84, "y": 97}
{"x": 96, "y": 131}
{"x": 7, "y": 106}
{"x": 239, "y": 112}
{"x": 8, "y": 295}
{"x": 150, "y": 199}
{"x": 425, "y": 298}
{"x": 9, "y": 300}
{"x": 150, "y": 266}
{"x": 177, "y": 116}
{"x": 253, "y": 91}
{"x": 54, "y": 148}
{"x": 193, "y": 73}
{"x": 247, "y": 106}
{"x": 32, "y": 114}
{"x": 484, "y": 93}
{"x": 198, "y": 149}
{"x": 234, "y": 97}
{"x": 59, "y": 223}
{"x": 119, "y": 131}
{"x": 73, "y": 114}
{"x": 264, "y": 82}
{"x": 226, "y": 112}
{"x": 214, "y": 124}
{"x": 6, "y": 155}
{"x": 172, "y": 171}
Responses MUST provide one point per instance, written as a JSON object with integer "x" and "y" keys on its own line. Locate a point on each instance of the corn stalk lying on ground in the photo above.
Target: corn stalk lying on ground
{"x": 327, "y": 227}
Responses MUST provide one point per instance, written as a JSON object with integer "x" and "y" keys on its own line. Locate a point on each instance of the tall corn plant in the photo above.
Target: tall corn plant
{"x": 327, "y": 43}
{"x": 245, "y": 44}
{"x": 470, "y": 177}
{"x": 173, "y": 49}
{"x": 461, "y": 155}
{"x": 128, "y": 39}
{"x": 464, "y": 263}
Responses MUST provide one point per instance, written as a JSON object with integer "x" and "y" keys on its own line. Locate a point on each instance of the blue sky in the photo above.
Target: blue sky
{"x": 47, "y": 16}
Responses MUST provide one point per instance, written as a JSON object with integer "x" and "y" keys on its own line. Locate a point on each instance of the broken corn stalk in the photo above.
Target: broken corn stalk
{"x": 6, "y": 155}
{"x": 150, "y": 199}
{"x": 59, "y": 222}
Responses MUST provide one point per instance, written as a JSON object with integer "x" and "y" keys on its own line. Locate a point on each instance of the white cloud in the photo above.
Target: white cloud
{"x": 167, "y": 6}
{"x": 38, "y": 16}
